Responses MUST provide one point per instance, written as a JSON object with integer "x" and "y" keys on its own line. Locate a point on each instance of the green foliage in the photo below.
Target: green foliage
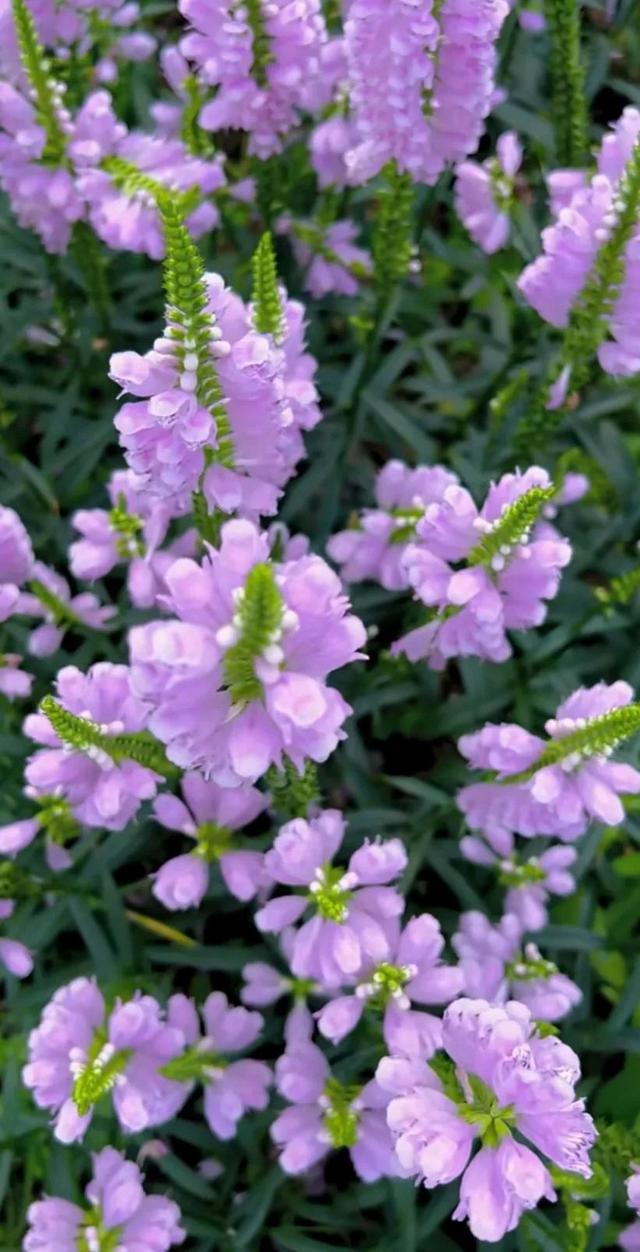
{"x": 293, "y": 793}
{"x": 392, "y": 242}
{"x": 36, "y": 67}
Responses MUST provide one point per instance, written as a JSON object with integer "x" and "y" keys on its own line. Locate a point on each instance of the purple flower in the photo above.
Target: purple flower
{"x": 561, "y": 786}
{"x": 483, "y": 193}
{"x": 497, "y": 966}
{"x": 15, "y": 956}
{"x": 502, "y": 586}
{"x": 100, "y": 791}
{"x": 267, "y": 393}
{"x": 50, "y": 598}
{"x": 231, "y": 1087}
{"x": 130, "y": 531}
{"x": 119, "y": 1209}
{"x": 208, "y": 814}
{"x": 420, "y": 84}
{"x": 413, "y": 973}
{"x": 325, "y": 1113}
{"x": 328, "y": 145}
{"x": 78, "y": 1054}
{"x": 530, "y": 881}
{"x": 16, "y": 560}
{"x": 329, "y": 257}
{"x": 496, "y": 1076}
{"x": 263, "y": 95}
{"x": 15, "y": 683}
{"x": 375, "y": 547}
{"x": 354, "y": 920}
{"x": 238, "y": 678}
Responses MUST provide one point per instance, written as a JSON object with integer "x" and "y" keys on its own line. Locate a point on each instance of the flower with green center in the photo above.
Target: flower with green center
{"x": 127, "y": 527}
{"x": 96, "y": 1073}
{"x": 212, "y": 841}
{"x": 340, "y": 1119}
{"x": 482, "y": 1110}
{"x": 330, "y": 894}
{"x": 387, "y": 984}
{"x": 94, "y": 1237}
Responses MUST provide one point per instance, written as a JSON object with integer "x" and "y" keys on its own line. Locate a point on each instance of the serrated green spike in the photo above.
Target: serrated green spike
{"x": 36, "y": 68}
{"x": 513, "y": 527}
{"x": 267, "y": 306}
{"x": 86, "y": 736}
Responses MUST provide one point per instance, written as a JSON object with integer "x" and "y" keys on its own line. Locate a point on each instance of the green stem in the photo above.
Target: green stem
{"x": 568, "y": 97}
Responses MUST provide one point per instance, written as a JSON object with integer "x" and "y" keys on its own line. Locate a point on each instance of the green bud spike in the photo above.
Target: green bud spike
{"x": 60, "y": 613}
{"x": 267, "y": 306}
{"x": 193, "y": 1065}
{"x": 95, "y": 1077}
{"x": 313, "y": 237}
{"x": 134, "y": 182}
{"x": 261, "y": 46}
{"x": 568, "y": 96}
{"x": 190, "y": 325}
{"x": 512, "y": 528}
{"x": 292, "y": 793}
{"x": 36, "y": 68}
{"x": 341, "y": 1119}
{"x": 57, "y": 820}
{"x": 86, "y": 736}
{"x": 392, "y": 244}
{"x": 258, "y": 622}
{"x": 599, "y": 737}
{"x": 194, "y": 138}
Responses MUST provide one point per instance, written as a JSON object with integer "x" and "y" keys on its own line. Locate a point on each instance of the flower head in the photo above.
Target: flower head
{"x": 497, "y": 965}
{"x": 354, "y": 916}
{"x": 495, "y": 1076}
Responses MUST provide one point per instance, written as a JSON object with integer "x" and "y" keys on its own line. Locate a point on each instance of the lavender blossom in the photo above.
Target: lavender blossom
{"x": 118, "y": 1210}
{"x": 16, "y": 560}
{"x": 483, "y": 193}
{"x": 496, "y": 1076}
{"x": 530, "y": 881}
{"x": 498, "y": 966}
{"x": 78, "y": 1054}
{"x": 325, "y": 1114}
{"x": 354, "y": 922}
{"x": 100, "y": 791}
{"x": 238, "y": 678}
{"x": 209, "y": 815}
{"x": 50, "y": 598}
{"x": 559, "y": 786}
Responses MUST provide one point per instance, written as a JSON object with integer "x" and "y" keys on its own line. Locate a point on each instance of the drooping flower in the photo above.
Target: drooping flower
{"x": 49, "y": 597}
{"x": 413, "y": 973}
{"x": 265, "y": 985}
{"x": 267, "y": 65}
{"x": 329, "y": 256}
{"x": 16, "y": 560}
{"x": 102, "y": 789}
{"x": 554, "y": 787}
{"x": 529, "y": 880}
{"x": 79, "y": 1053}
{"x": 325, "y": 1114}
{"x": 15, "y": 683}
{"x": 209, "y": 815}
{"x": 238, "y": 678}
{"x": 509, "y": 569}
{"x": 421, "y": 82}
{"x": 483, "y": 193}
{"x": 374, "y": 548}
{"x": 498, "y": 966}
{"x": 329, "y": 143}
{"x": 231, "y": 1087}
{"x": 354, "y": 913}
{"x": 496, "y": 1076}
{"x": 119, "y": 1215}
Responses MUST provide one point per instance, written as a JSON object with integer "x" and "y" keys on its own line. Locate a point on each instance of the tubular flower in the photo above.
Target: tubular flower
{"x": 354, "y": 916}
{"x": 557, "y": 787}
{"x": 324, "y": 1114}
{"x": 506, "y": 569}
{"x": 119, "y": 1214}
{"x": 494, "y": 1076}
{"x": 483, "y": 193}
{"x": 49, "y": 597}
{"x": 102, "y": 787}
{"x": 375, "y": 546}
{"x": 529, "y": 880}
{"x": 498, "y": 966}
{"x": 267, "y": 63}
{"x": 414, "y": 973}
{"x": 79, "y": 1053}
{"x": 238, "y": 677}
{"x": 209, "y": 815}
{"x": 16, "y": 561}
{"x": 421, "y": 80}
